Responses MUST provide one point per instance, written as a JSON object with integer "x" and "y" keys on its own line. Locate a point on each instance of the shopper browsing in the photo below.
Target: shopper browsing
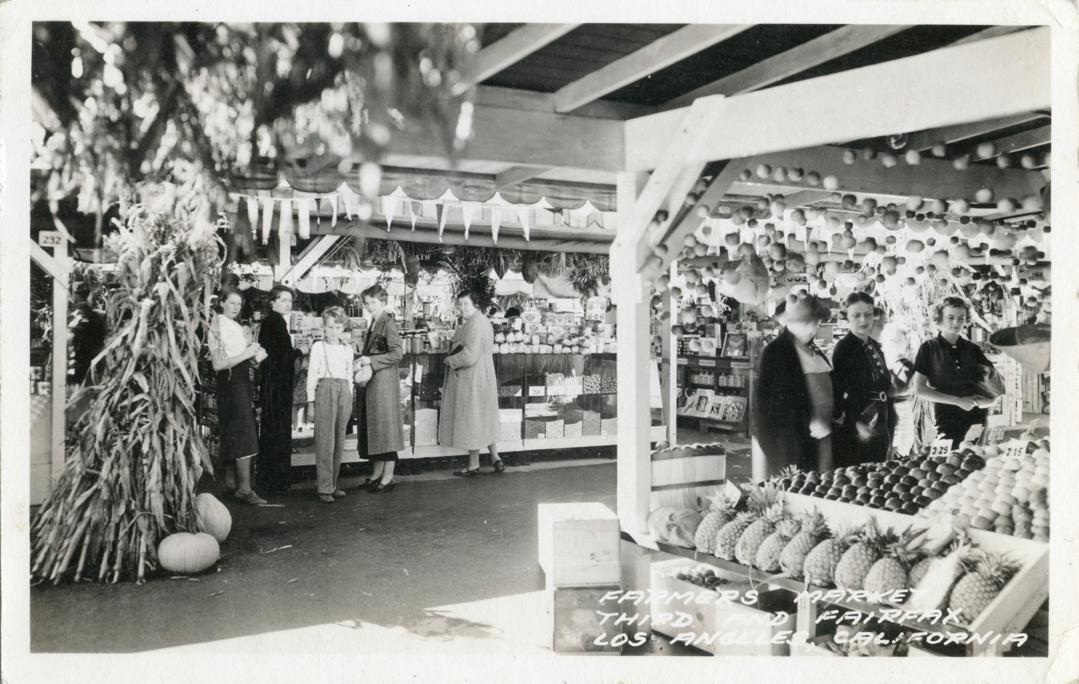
{"x": 329, "y": 385}
{"x": 792, "y": 414}
{"x": 470, "y": 397}
{"x": 862, "y": 387}
{"x": 947, "y": 371}
{"x": 380, "y": 431}
{"x": 275, "y": 437}
{"x": 231, "y": 355}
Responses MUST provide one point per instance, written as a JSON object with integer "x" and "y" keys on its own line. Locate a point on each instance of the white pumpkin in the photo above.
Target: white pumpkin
{"x": 187, "y": 553}
{"x": 214, "y": 518}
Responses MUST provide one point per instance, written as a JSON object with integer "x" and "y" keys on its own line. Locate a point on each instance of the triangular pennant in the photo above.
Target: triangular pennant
{"x": 305, "y": 218}
{"x": 348, "y": 205}
{"x": 524, "y": 213}
{"x": 253, "y": 212}
{"x": 333, "y": 205}
{"x": 441, "y": 211}
{"x": 496, "y": 222}
{"x": 389, "y": 208}
{"x": 467, "y": 211}
{"x": 318, "y": 209}
{"x": 267, "y": 218}
{"x": 412, "y": 214}
{"x": 285, "y": 228}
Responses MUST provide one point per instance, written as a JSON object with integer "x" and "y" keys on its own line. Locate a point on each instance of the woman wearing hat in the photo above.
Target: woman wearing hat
{"x": 863, "y": 391}
{"x": 792, "y": 413}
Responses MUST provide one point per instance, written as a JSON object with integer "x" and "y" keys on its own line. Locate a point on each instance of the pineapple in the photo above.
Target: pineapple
{"x": 917, "y": 571}
{"x": 769, "y": 504}
{"x": 813, "y": 530}
{"x": 767, "y": 557}
{"x": 889, "y": 574}
{"x": 721, "y": 513}
{"x": 976, "y": 590}
{"x": 858, "y": 560}
{"x": 727, "y": 537}
{"x": 820, "y": 563}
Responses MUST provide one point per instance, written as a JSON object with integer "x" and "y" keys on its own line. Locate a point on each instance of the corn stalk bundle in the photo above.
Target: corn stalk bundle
{"x": 134, "y": 457}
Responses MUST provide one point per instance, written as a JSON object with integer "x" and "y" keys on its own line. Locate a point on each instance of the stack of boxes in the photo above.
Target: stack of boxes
{"x": 579, "y": 554}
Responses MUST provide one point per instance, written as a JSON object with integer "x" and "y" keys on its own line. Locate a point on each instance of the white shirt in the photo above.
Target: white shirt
{"x": 328, "y": 361}
{"x": 228, "y": 337}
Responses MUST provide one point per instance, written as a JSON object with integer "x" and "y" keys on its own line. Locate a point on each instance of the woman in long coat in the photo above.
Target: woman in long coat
{"x": 469, "y": 417}
{"x": 792, "y": 408}
{"x": 380, "y": 431}
{"x": 275, "y": 435}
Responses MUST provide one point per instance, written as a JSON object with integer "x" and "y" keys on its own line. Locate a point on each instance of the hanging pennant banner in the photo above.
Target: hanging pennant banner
{"x": 285, "y": 228}
{"x": 253, "y": 213}
{"x": 267, "y": 219}
{"x": 389, "y": 208}
{"x": 496, "y": 222}
{"x": 333, "y": 205}
{"x": 412, "y": 214}
{"x": 440, "y": 209}
{"x": 524, "y": 214}
{"x": 305, "y": 218}
{"x": 466, "y": 215}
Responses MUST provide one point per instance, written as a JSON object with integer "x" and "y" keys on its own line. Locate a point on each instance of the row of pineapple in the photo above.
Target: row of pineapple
{"x": 867, "y": 558}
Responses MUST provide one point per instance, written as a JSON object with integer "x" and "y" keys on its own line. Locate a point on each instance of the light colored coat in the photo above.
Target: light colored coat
{"x": 469, "y": 417}
{"x": 379, "y": 402}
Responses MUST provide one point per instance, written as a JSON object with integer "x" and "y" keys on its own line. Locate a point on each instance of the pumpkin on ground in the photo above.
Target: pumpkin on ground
{"x": 187, "y": 553}
{"x": 214, "y": 518}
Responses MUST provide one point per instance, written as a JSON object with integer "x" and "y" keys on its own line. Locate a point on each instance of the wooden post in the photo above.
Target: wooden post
{"x": 630, "y": 294}
{"x": 670, "y": 351}
{"x": 59, "y": 360}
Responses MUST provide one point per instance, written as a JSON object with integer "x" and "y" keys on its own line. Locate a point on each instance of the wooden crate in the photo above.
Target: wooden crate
{"x": 1013, "y": 607}
{"x": 579, "y": 544}
{"x": 684, "y": 474}
{"x": 715, "y": 617}
{"x": 575, "y": 612}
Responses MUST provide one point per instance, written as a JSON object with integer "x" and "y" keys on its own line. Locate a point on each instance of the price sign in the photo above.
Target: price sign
{"x": 682, "y": 361}
{"x": 534, "y": 391}
{"x": 50, "y": 238}
{"x": 739, "y": 365}
{"x": 708, "y": 363}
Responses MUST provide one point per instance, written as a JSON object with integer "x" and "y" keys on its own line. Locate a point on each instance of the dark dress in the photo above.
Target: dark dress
{"x": 782, "y": 408}
{"x": 379, "y": 428}
{"x": 275, "y": 436}
{"x": 863, "y": 391}
{"x": 953, "y": 369}
{"x": 236, "y": 418}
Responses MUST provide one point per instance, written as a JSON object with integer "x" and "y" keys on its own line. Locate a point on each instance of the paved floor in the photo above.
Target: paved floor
{"x": 440, "y": 561}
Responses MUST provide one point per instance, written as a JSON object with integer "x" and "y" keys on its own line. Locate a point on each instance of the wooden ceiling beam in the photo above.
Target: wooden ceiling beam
{"x": 655, "y": 56}
{"x": 507, "y": 51}
{"x": 818, "y": 51}
{"x": 1035, "y": 137}
{"x": 996, "y": 77}
{"x": 518, "y": 174}
{"x": 923, "y": 140}
{"x": 513, "y": 98}
{"x": 932, "y": 178}
{"x": 690, "y": 220}
{"x": 528, "y": 138}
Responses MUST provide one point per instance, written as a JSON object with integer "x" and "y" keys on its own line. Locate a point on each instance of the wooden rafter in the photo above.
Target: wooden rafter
{"x": 653, "y": 57}
{"x": 937, "y": 91}
{"x": 1035, "y": 137}
{"x": 506, "y": 52}
{"x": 691, "y": 220}
{"x": 518, "y": 174}
{"x": 923, "y": 140}
{"x": 818, "y": 51}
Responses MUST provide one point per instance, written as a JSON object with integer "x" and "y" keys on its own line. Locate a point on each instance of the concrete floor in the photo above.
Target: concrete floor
{"x": 439, "y": 561}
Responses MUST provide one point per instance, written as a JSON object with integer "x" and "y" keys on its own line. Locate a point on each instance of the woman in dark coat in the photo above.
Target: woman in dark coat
{"x": 864, "y": 394}
{"x": 792, "y": 410}
{"x": 379, "y": 428}
{"x": 275, "y": 436}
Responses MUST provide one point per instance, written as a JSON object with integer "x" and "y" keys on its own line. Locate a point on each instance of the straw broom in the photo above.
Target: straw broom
{"x": 134, "y": 457}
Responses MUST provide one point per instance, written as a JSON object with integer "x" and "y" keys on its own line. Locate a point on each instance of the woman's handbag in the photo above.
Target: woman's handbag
{"x": 991, "y": 385}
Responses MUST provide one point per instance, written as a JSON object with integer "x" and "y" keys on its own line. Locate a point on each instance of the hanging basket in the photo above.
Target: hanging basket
{"x": 1027, "y": 344}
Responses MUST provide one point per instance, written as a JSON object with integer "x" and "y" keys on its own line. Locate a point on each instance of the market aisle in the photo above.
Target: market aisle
{"x": 380, "y": 561}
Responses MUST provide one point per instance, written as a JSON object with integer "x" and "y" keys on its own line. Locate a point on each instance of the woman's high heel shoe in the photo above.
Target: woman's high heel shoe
{"x": 384, "y": 488}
